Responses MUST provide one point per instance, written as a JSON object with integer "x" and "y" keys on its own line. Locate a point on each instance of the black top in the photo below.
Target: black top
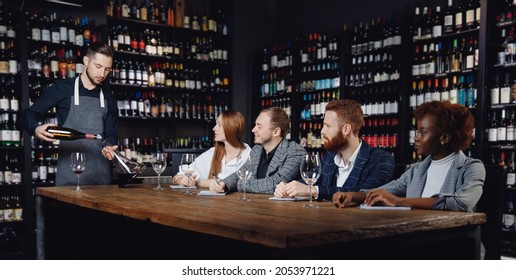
{"x": 59, "y": 95}
{"x": 265, "y": 160}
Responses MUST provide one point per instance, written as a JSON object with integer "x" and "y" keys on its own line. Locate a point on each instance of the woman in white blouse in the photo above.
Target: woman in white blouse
{"x": 228, "y": 154}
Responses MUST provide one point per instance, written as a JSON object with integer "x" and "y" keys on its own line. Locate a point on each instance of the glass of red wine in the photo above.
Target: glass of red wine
{"x": 78, "y": 163}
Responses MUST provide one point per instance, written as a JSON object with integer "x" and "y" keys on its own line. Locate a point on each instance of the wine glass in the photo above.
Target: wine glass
{"x": 78, "y": 163}
{"x": 310, "y": 172}
{"x": 159, "y": 164}
{"x": 188, "y": 168}
{"x": 244, "y": 173}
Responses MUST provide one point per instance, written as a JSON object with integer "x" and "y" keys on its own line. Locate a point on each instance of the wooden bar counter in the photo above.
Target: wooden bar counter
{"x": 141, "y": 223}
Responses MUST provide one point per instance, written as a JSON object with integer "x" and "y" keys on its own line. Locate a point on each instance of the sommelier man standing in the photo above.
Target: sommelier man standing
{"x": 84, "y": 104}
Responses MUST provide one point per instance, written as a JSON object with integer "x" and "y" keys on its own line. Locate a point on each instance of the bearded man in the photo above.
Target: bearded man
{"x": 349, "y": 163}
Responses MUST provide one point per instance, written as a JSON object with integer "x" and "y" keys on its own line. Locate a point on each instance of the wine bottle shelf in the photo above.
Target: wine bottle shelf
{"x": 167, "y": 119}
{"x": 450, "y": 35}
{"x": 174, "y": 89}
{"x": 503, "y": 106}
{"x": 11, "y": 148}
{"x": 2, "y": 186}
{"x": 505, "y": 23}
{"x": 506, "y": 65}
{"x": 502, "y": 146}
{"x": 164, "y": 26}
{"x": 52, "y": 45}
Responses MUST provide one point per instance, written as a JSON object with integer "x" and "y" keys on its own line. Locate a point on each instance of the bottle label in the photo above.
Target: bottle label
{"x": 4, "y": 104}
{"x": 493, "y": 135}
{"x": 470, "y": 17}
{"x": 16, "y": 178}
{"x": 8, "y": 177}
{"x": 508, "y": 221}
{"x": 45, "y": 35}
{"x": 510, "y": 133}
{"x": 8, "y": 215}
{"x": 495, "y": 96}
{"x": 36, "y": 34}
{"x": 18, "y": 214}
{"x": 42, "y": 170}
{"x": 437, "y": 31}
{"x": 511, "y": 179}
{"x": 505, "y": 95}
{"x": 501, "y": 134}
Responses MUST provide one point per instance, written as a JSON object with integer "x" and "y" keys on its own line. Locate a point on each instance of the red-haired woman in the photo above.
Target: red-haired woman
{"x": 228, "y": 155}
{"x": 446, "y": 179}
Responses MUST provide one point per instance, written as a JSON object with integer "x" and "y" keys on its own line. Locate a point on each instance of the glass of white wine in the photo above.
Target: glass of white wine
{"x": 188, "y": 168}
{"x": 159, "y": 164}
{"x": 78, "y": 164}
{"x": 310, "y": 172}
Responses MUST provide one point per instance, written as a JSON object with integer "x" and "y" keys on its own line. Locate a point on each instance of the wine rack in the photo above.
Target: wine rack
{"x": 445, "y": 60}
{"x": 13, "y": 228}
{"x": 374, "y": 79}
{"x": 171, "y": 68}
{"x": 276, "y": 81}
{"x": 56, "y": 46}
{"x": 500, "y": 138}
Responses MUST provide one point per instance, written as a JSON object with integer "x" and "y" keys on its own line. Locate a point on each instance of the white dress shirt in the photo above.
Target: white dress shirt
{"x": 203, "y": 164}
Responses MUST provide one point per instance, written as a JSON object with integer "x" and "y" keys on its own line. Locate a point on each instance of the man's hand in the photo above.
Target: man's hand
{"x": 109, "y": 151}
{"x": 42, "y": 133}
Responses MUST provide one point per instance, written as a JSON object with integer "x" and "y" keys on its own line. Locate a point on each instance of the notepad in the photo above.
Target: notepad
{"x": 209, "y": 193}
{"x": 295, "y": 198}
{"x": 363, "y": 206}
{"x": 181, "y": 187}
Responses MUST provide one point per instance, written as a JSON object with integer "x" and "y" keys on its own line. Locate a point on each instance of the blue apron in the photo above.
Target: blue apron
{"x": 89, "y": 117}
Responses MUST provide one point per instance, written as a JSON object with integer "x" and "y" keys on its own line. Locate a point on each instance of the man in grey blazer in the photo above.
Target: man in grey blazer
{"x": 273, "y": 157}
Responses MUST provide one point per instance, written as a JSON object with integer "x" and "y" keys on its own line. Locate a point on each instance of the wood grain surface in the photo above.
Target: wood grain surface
{"x": 277, "y": 224}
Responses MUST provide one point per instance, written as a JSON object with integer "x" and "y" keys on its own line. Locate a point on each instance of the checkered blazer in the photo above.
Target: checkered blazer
{"x": 373, "y": 167}
{"x": 284, "y": 166}
{"x": 462, "y": 186}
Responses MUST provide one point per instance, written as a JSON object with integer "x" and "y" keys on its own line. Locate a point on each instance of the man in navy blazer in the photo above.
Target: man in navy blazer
{"x": 349, "y": 164}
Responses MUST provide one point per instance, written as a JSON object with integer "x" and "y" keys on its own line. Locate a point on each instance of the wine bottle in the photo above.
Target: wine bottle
{"x": 65, "y": 133}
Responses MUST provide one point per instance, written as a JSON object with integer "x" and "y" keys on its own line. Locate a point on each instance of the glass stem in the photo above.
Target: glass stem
{"x": 310, "y": 192}
{"x": 78, "y": 188}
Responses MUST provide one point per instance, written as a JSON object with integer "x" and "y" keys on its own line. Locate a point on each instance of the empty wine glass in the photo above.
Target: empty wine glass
{"x": 244, "y": 173}
{"x": 159, "y": 164}
{"x": 78, "y": 163}
{"x": 188, "y": 168}
{"x": 310, "y": 172}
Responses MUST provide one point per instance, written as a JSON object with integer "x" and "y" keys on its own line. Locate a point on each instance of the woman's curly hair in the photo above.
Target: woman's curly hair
{"x": 454, "y": 119}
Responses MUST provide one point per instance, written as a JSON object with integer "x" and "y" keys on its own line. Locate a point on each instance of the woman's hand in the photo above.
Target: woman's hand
{"x": 181, "y": 179}
{"x": 381, "y": 197}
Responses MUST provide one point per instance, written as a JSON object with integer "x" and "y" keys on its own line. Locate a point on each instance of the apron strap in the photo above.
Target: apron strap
{"x": 76, "y": 94}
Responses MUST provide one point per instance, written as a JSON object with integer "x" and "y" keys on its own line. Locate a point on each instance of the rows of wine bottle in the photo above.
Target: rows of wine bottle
{"x": 441, "y": 57}
{"x": 66, "y": 31}
{"x": 431, "y": 22}
{"x": 10, "y": 168}
{"x": 60, "y": 63}
{"x": 151, "y": 42}
{"x": 11, "y": 209}
{"x": 461, "y": 90}
{"x": 376, "y": 34}
{"x": 502, "y": 126}
{"x": 151, "y": 104}
{"x": 171, "y": 75}
{"x": 171, "y": 13}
